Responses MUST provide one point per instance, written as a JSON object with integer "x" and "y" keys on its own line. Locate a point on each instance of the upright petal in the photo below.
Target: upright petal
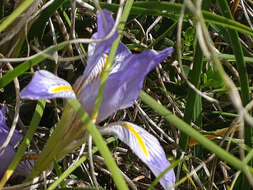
{"x": 46, "y": 85}
{"x": 146, "y": 147}
{"x": 124, "y": 85}
{"x": 95, "y": 69}
{"x": 105, "y": 24}
{"x": 96, "y": 51}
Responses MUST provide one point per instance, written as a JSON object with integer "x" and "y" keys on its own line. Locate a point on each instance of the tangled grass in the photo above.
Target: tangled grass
{"x": 197, "y": 102}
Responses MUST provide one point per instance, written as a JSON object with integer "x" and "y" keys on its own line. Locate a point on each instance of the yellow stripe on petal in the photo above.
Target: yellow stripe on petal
{"x": 61, "y": 88}
{"x": 103, "y": 69}
{"x": 138, "y": 137}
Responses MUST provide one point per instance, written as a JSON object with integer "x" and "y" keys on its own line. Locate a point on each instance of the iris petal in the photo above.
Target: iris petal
{"x": 46, "y": 85}
{"x": 6, "y": 157}
{"x": 9, "y": 152}
{"x": 25, "y": 166}
{"x": 123, "y": 85}
{"x": 97, "y": 62}
{"x": 105, "y": 23}
{"x": 140, "y": 141}
{"x": 4, "y": 130}
{"x": 2, "y": 116}
{"x": 96, "y": 51}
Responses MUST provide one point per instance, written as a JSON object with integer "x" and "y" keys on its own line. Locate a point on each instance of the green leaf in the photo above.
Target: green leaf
{"x": 172, "y": 11}
{"x": 213, "y": 79}
{"x": 25, "y": 142}
{"x": 187, "y": 129}
{"x": 38, "y": 27}
{"x": 100, "y": 143}
{"x": 67, "y": 172}
{"x": 189, "y": 36}
{"x": 20, "y": 69}
{"x": 17, "y": 12}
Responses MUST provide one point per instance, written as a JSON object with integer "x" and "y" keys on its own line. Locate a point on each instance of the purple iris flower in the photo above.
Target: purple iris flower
{"x": 7, "y": 155}
{"x": 122, "y": 89}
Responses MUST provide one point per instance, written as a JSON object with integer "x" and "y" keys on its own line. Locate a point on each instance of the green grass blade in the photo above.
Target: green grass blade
{"x": 17, "y": 12}
{"x": 67, "y": 172}
{"x": 20, "y": 69}
{"x": 112, "y": 54}
{"x": 100, "y": 143}
{"x": 221, "y": 56}
{"x": 193, "y": 106}
{"x": 239, "y": 56}
{"x": 58, "y": 170}
{"x": 243, "y": 75}
{"x": 184, "y": 127}
{"x": 25, "y": 142}
{"x": 162, "y": 36}
{"x": 241, "y": 65}
{"x": 172, "y": 11}
{"x": 38, "y": 27}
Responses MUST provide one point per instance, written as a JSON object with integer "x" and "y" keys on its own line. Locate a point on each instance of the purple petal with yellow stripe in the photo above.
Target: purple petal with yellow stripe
{"x": 46, "y": 85}
{"x": 123, "y": 85}
{"x": 146, "y": 147}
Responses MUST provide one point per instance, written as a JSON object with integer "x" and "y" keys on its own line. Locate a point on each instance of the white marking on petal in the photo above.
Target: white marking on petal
{"x": 98, "y": 68}
{"x": 138, "y": 137}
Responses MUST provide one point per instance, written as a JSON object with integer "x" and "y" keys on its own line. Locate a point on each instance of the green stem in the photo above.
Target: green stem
{"x": 240, "y": 64}
{"x": 193, "y": 109}
{"x": 243, "y": 75}
{"x": 47, "y": 156}
{"x": 111, "y": 56}
{"x": 25, "y": 142}
{"x": 100, "y": 143}
{"x": 186, "y": 128}
{"x": 17, "y": 12}
{"x": 67, "y": 172}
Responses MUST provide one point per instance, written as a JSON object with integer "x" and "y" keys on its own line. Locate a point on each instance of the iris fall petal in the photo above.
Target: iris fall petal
{"x": 146, "y": 147}
{"x": 46, "y": 85}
